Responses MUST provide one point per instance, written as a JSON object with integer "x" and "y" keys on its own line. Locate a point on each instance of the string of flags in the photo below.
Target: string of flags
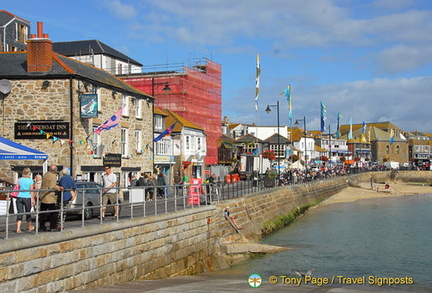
{"x": 47, "y": 135}
{"x": 87, "y": 141}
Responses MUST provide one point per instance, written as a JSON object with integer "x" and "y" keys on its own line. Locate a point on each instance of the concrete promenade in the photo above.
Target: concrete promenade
{"x": 226, "y": 283}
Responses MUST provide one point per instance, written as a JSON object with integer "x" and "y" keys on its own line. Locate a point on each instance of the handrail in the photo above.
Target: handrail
{"x": 134, "y": 203}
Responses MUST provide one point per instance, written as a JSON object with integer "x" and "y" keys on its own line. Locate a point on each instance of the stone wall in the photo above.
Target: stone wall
{"x": 183, "y": 243}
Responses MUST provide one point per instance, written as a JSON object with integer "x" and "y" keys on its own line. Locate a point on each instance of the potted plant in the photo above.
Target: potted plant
{"x": 268, "y": 154}
{"x": 270, "y": 178}
{"x": 293, "y": 158}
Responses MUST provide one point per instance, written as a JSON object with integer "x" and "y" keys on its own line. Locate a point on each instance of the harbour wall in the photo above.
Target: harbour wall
{"x": 187, "y": 242}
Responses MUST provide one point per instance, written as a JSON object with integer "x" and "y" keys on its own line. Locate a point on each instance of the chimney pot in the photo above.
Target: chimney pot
{"x": 39, "y": 29}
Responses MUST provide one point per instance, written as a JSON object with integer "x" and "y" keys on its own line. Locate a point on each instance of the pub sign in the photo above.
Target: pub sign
{"x": 114, "y": 160}
{"x": 37, "y": 130}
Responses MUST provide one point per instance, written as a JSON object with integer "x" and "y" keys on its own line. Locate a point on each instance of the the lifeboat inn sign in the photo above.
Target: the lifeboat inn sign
{"x": 37, "y": 130}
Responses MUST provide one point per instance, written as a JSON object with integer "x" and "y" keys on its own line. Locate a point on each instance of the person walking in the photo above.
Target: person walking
{"x": 48, "y": 199}
{"x": 150, "y": 190}
{"x": 69, "y": 193}
{"x": 177, "y": 181}
{"x": 161, "y": 185}
{"x": 25, "y": 199}
{"x": 109, "y": 192}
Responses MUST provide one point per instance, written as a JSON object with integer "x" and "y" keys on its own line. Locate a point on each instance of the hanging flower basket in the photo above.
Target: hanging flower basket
{"x": 293, "y": 158}
{"x": 268, "y": 154}
{"x": 324, "y": 158}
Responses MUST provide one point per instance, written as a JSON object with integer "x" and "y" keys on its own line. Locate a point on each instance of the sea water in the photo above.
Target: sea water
{"x": 368, "y": 242}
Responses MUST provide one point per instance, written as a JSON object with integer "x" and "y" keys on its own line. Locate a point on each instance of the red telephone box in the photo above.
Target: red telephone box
{"x": 194, "y": 194}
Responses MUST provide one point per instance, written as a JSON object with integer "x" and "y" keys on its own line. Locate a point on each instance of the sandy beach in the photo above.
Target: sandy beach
{"x": 351, "y": 194}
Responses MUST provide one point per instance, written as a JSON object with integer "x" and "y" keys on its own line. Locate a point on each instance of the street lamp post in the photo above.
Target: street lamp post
{"x": 329, "y": 147}
{"x": 305, "y": 132}
{"x": 268, "y": 110}
{"x": 165, "y": 89}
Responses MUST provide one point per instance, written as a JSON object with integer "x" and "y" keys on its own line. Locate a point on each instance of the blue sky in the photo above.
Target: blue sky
{"x": 369, "y": 60}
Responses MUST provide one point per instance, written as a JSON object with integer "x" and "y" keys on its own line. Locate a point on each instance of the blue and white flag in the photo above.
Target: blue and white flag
{"x": 364, "y": 128}
{"x": 323, "y": 117}
{"x": 350, "y": 129}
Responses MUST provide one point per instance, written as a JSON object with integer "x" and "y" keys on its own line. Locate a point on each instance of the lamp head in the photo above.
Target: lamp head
{"x": 268, "y": 110}
{"x": 45, "y": 84}
{"x": 297, "y": 122}
{"x": 166, "y": 88}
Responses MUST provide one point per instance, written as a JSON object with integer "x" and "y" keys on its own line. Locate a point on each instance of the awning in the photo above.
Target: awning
{"x": 349, "y": 162}
{"x": 363, "y": 151}
{"x": 10, "y": 150}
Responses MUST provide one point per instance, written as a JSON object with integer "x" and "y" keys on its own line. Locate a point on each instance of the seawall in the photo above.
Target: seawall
{"x": 183, "y": 243}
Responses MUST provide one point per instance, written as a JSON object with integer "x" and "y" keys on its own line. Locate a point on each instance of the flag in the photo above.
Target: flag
{"x": 339, "y": 117}
{"x": 112, "y": 122}
{"x": 364, "y": 128}
{"x": 165, "y": 133}
{"x": 350, "y": 131}
{"x": 288, "y": 96}
{"x": 323, "y": 117}
{"x": 392, "y": 136}
{"x": 257, "y": 82}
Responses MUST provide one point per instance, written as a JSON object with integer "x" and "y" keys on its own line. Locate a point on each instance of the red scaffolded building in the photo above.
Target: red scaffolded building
{"x": 195, "y": 94}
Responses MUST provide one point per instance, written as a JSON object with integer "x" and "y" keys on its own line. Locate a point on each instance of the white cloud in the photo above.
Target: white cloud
{"x": 120, "y": 10}
{"x": 401, "y": 58}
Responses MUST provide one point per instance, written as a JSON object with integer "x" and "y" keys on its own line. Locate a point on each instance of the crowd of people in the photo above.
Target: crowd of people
{"x": 48, "y": 193}
{"x": 297, "y": 176}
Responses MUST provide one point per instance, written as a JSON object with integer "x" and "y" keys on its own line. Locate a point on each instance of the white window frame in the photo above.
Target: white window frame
{"x": 199, "y": 143}
{"x": 187, "y": 142}
{"x": 158, "y": 122}
{"x": 138, "y": 141}
{"x": 138, "y": 108}
{"x": 124, "y": 142}
{"x": 125, "y": 105}
{"x": 96, "y": 143}
{"x": 163, "y": 147}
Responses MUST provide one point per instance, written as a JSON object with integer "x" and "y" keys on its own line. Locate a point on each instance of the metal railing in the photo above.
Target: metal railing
{"x": 132, "y": 202}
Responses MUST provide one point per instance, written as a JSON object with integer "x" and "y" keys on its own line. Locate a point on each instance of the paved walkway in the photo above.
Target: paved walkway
{"x": 216, "y": 282}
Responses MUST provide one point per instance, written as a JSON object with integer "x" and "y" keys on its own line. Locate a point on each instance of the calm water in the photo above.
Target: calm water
{"x": 388, "y": 237}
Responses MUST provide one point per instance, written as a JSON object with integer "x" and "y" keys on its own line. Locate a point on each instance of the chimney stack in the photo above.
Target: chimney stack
{"x": 39, "y": 52}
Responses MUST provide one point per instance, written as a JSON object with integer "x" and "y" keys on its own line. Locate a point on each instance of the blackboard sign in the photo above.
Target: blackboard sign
{"x": 114, "y": 160}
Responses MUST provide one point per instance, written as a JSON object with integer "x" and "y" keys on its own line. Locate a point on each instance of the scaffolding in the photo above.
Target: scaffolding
{"x": 196, "y": 95}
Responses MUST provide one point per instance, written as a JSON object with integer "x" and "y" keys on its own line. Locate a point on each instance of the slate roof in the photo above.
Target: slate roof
{"x": 6, "y": 17}
{"x": 248, "y": 138}
{"x": 89, "y": 47}
{"x": 14, "y": 66}
{"x": 274, "y": 139}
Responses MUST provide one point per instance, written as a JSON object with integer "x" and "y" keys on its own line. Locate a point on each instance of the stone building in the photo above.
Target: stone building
{"x": 55, "y": 104}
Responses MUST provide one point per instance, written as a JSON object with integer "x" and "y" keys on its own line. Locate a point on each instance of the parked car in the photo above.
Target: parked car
{"x": 89, "y": 194}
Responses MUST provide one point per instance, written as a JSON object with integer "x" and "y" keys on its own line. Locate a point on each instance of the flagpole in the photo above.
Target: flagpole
{"x": 257, "y": 88}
